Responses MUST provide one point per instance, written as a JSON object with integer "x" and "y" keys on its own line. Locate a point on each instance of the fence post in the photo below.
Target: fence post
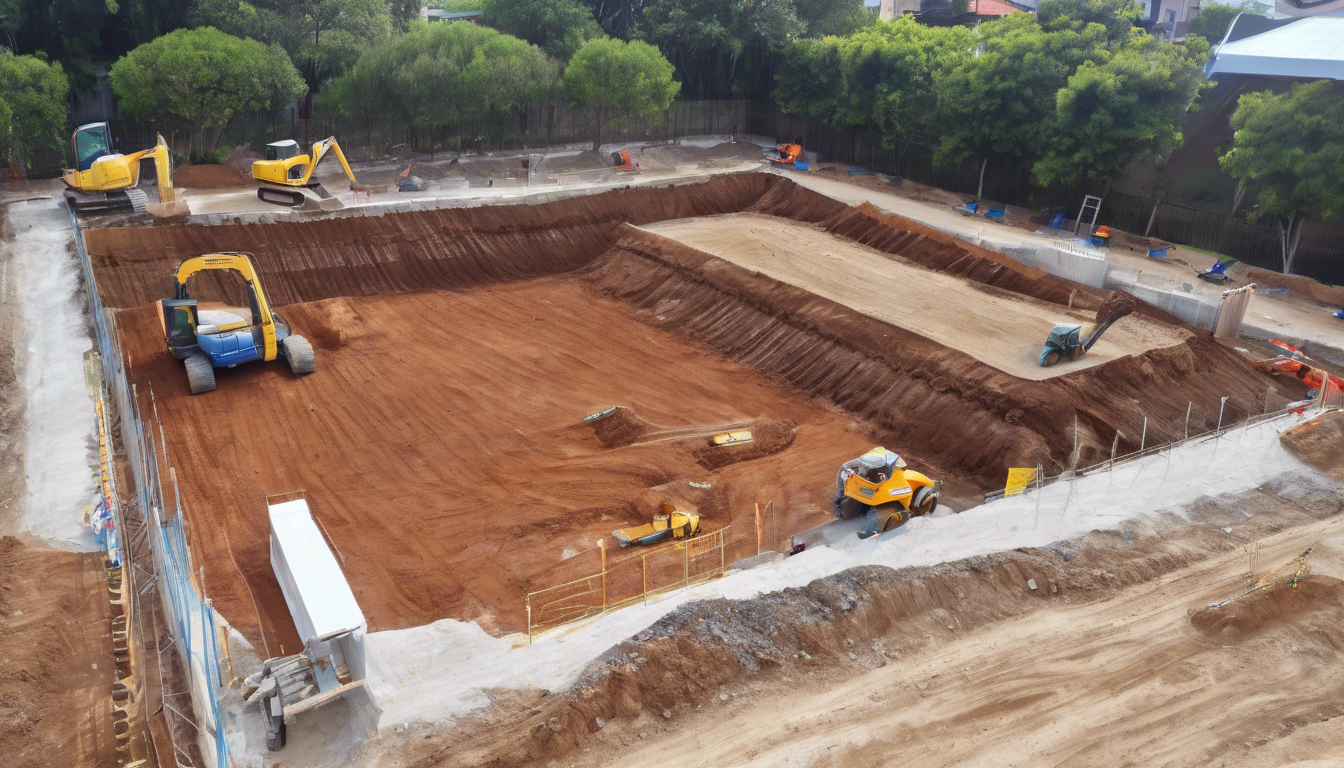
{"x": 602, "y": 545}
{"x": 529, "y": 618}
{"x": 686, "y": 574}
{"x": 758, "y": 529}
{"x": 1188, "y": 406}
{"x": 645, "y": 563}
{"x": 1143, "y": 439}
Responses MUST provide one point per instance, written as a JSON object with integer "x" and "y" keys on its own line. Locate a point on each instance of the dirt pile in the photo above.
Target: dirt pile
{"x": 1319, "y": 443}
{"x": 57, "y": 670}
{"x": 211, "y": 177}
{"x": 1274, "y": 605}
{"x": 767, "y": 438}
{"x": 873, "y": 618}
{"x": 1117, "y": 305}
{"x": 672, "y": 157}
{"x": 621, "y": 428}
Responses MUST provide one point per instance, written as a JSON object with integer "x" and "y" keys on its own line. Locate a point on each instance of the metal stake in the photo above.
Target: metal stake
{"x": 1143, "y": 439}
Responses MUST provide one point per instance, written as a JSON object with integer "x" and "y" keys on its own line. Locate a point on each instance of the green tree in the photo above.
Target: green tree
{"x": 1213, "y": 21}
{"x": 323, "y": 37}
{"x": 1001, "y": 105}
{"x": 881, "y": 78}
{"x": 201, "y": 79}
{"x": 721, "y": 47}
{"x": 558, "y": 27}
{"x": 1129, "y": 106}
{"x": 36, "y": 96}
{"x": 610, "y": 79}
{"x": 440, "y": 74}
{"x": 1119, "y": 17}
{"x": 1288, "y": 149}
{"x": 833, "y": 17}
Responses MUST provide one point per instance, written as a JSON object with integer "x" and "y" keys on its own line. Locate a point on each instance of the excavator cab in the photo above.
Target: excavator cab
{"x": 203, "y": 347}
{"x": 91, "y": 142}
{"x": 287, "y": 166}
{"x": 284, "y": 162}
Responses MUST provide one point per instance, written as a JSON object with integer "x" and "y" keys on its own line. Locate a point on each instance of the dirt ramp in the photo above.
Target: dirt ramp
{"x": 767, "y": 438}
{"x": 963, "y": 420}
{"x": 621, "y": 428}
{"x": 1282, "y": 603}
{"x": 1319, "y": 443}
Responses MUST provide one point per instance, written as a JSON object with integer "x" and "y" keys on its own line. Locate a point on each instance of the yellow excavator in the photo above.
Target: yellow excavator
{"x": 106, "y": 180}
{"x": 203, "y": 347}
{"x": 286, "y": 169}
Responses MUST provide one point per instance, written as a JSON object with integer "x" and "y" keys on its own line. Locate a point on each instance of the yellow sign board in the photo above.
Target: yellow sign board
{"x": 1018, "y": 480}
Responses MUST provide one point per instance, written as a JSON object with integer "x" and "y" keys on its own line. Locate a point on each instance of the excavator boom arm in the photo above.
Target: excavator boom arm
{"x": 242, "y": 264}
{"x": 319, "y": 151}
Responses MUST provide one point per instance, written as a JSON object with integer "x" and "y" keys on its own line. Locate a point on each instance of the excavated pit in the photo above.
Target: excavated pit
{"x": 458, "y": 349}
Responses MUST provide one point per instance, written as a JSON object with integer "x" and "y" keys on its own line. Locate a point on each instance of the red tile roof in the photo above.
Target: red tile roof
{"x": 991, "y": 8}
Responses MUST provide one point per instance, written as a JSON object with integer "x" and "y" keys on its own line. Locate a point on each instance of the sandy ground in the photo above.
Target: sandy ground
{"x": 1126, "y": 681}
{"x": 1289, "y": 316}
{"x": 995, "y": 327}
{"x": 446, "y": 464}
{"x": 51, "y": 335}
{"x": 56, "y": 666}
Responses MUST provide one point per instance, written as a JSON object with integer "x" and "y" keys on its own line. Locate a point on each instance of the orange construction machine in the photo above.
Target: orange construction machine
{"x": 1298, "y": 365}
{"x": 789, "y": 154}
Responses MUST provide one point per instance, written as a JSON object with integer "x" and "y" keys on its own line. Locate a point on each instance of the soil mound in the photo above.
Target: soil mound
{"x": 1273, "y": 605}
{"x": 767, "y": 437}
{"x": 621, "y": 428}
{"x": 1118, "y": 304}
{"x": 210, "y": 177}
{"x": 1319, "y": 443}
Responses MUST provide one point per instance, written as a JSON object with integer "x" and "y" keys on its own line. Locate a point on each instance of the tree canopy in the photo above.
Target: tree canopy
{"x": 558, "y": 27}
{"x": 1213, "y": 21}
{"x": 998, "y": 105}
{"x": 322, "y": 37}
{"x": 35, "y": 98}
{"x": 720, "y": 46}
{"x": 1128, "y": 106}
{"x": 1119, "y": 17}
{"x": 201, "y": 79}
{"x": 441, "y": 74}
{"x": 1288, "y": 149}
{"x": 881, "y": 78}
{"x": 610, "y": 79}
{"x": 821, "y": 18}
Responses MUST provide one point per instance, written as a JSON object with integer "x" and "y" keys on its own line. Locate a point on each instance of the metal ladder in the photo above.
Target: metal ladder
{"x": 1090, "y": 203}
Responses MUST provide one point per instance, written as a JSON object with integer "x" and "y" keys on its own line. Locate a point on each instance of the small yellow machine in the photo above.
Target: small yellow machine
{"x": 285, "y": 167}
{"x": 671, "y": 524}
{"x": 879, "y": 486}
{"x": 204, "y": 347}
{"x": 106, "y": 180}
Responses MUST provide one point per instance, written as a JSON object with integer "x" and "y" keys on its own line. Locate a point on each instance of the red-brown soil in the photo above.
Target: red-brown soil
{"x": 1319, "y": 443}
{"x": 439, "y": 441}
{"x": 56, "y": 661}
{"x": 438, "y": 445}
{"x": 211, "y": 177}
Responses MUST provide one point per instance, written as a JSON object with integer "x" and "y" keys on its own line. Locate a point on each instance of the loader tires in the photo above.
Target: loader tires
{"x": 1051, "y": 359}
{"x": 299, "y": 353}
{"x": 883, "y": 518}
{"x": 1077, "y": 352}
{"x": 924, "y": 501}
{"x": 200, "y": 374}
{"x": 275, "y": 725}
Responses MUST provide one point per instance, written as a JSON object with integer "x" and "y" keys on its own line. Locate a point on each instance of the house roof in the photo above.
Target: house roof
{"x": 990, "y": 8}
{"x": 1310, "y": 48}
{"x": 438, "y": 13}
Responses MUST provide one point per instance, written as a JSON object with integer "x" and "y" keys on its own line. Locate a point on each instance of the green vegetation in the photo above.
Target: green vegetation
{"x": 1125, "y": 107}
{"x": 1117, "y": 16}
{"x": 34, "y": 102}
{"x": 443, "y": 74}
{"x": 610, "y": 79}
{"x": 558, "y": 27}
{"x": 1289, "y": 150}
{"x": 1214, "y": 19}
{"x": 200, "y": 79}
{"x": 323, "y": 37}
